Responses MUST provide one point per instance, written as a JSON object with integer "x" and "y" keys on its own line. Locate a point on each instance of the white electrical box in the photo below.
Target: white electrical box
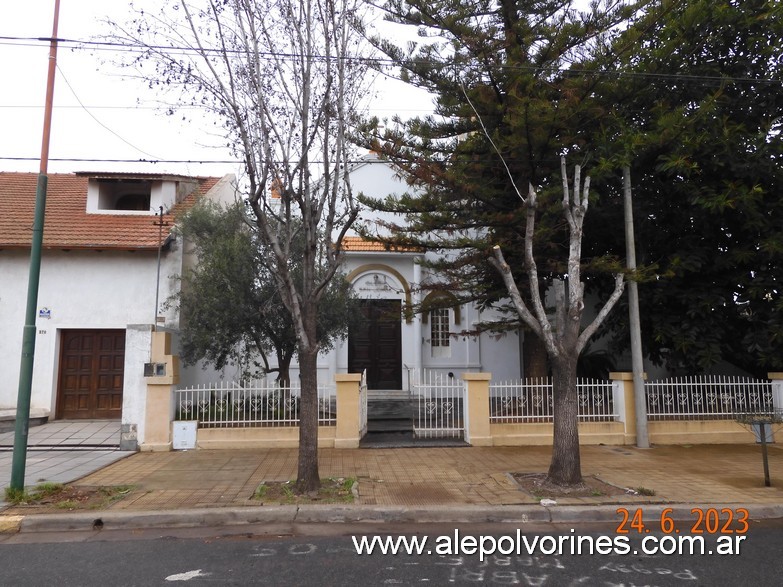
{"x": 184, "y": 435}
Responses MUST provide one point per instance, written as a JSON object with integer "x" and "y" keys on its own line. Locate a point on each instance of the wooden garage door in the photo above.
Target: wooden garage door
{"x": 91, "y": 372}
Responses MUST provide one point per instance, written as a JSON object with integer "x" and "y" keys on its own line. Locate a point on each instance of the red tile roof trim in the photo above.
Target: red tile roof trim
{"x": 68, "y": 225}
{"x": 359, "y": 244}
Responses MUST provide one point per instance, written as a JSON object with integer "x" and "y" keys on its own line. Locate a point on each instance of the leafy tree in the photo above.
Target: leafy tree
{"x": 282, "y": 79}
{"x": 232, "y": 311}
{"x": 697, "y": 112}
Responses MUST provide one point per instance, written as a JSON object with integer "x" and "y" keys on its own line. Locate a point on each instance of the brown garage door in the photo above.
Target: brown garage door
{"x": 91, "y": 371}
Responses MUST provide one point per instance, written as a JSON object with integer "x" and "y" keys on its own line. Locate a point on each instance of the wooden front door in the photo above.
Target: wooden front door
{"x": 375, "y": 344}
{"x": 92, "y": 366}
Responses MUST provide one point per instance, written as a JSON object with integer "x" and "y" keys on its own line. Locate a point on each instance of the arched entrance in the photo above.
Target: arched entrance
{"x": 375, "y": 343}
{"x": 375, "y": 337}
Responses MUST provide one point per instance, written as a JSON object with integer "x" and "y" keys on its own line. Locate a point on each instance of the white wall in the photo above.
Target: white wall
{"x": 81, "y": 289}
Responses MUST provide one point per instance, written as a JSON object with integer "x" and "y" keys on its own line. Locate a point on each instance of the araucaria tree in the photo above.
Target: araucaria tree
{"x": 515, "y": 87}
{"x": 283, "y": 78}
{"x": 563, "y": 334}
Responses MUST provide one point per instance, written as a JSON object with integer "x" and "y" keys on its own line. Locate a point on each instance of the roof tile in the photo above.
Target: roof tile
{"x": 67, "y": 224}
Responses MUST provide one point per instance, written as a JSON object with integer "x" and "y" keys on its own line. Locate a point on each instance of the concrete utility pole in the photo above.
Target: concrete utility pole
{"x": 637, "y": 362}
{"x": 28, "y": 336}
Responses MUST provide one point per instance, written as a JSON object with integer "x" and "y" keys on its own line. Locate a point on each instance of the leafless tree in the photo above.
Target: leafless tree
{"x": 562, "y": 334}
{"x": 283, "y": 79}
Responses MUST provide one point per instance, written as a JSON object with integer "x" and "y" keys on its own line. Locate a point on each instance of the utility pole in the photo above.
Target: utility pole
{"x": 28, "y": 335}
{"x": 637, "y": 362}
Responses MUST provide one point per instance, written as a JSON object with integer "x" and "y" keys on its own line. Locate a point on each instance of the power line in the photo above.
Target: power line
{"x": 380, "y": 62}
{"x": 123, "y": 139}
{"x": 154, "y": 161}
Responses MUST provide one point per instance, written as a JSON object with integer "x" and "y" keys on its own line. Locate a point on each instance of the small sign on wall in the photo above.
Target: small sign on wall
{"x": 45, "y": 313}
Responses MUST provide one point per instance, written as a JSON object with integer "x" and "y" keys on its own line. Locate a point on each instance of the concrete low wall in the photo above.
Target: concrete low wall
{"x": 277, "y": 437}
{"x": 480, "y": 430}
{"x": 699, "y": 432}
{"x": 611, "y": 433}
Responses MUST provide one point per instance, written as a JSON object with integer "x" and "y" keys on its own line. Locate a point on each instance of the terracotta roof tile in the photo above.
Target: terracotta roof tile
{"x": 67, "y": 224}
{"x": 359, "y": 244}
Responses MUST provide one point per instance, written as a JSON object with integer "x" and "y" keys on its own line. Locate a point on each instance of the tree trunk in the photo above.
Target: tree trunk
{"x": 308, "y": 478}
{"x": 534, "y": 357}
{"x": 565, "y": 468}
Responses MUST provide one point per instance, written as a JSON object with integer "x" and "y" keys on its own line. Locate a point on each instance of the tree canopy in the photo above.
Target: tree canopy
{"x": 232, "y": 311}
{"x": 696, "y": 112}
{"x": 686, "y": 92}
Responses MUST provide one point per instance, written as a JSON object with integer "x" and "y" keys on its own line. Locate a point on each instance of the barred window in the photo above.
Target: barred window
{"x": 439, "y": 327}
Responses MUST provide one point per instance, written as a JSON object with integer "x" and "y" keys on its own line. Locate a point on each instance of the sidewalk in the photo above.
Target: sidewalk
{"x": 451, "y": 484}
{"x": 62, "y": 451}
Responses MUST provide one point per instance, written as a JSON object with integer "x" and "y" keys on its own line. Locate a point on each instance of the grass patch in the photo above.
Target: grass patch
{"x": 333, "y": 490}
{"x": 645, "y": 491}
{"x": 39, "y": 493}
{"x": 65, "y": 497}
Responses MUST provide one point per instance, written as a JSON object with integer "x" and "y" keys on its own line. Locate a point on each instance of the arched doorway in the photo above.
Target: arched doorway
{"x": 375, "y": 343}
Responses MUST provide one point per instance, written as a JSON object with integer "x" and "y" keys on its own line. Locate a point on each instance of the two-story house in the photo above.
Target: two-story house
{"x": 108, "y": 256}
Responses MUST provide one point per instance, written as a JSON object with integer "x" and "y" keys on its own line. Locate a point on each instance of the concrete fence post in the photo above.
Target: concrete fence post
{"x": 348, "y": 433}
{"x": 476, "y": 409}
{"x": 159, "y": 409}
{"x": 777, "y": 390}
{"x": 624, "y": 406}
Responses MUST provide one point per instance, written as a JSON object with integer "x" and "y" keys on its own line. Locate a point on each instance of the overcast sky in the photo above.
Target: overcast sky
{"x": 98, "y": 114}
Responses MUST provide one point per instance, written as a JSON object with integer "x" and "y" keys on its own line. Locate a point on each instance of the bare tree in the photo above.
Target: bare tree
{"x": 562, "y": 334}
{"x": 283, "y": 78}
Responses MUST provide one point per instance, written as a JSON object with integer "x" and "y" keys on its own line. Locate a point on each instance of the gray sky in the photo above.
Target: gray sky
{"x": 99, "y": 114}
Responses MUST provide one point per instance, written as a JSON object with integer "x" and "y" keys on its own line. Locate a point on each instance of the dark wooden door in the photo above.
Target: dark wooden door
{"x": 375, "y": 344}
{"x": 92, "y": 366}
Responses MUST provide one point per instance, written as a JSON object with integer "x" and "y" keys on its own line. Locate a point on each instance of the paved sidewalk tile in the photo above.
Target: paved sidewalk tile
{"x": 445, "y": 476}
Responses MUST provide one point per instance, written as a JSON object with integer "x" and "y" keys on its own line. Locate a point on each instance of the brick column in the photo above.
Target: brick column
{"x": 476, "y": 409}
{"x": 624, "y": 405}
{"x": 348, "y": 433}
{"x": 159, "y": 409}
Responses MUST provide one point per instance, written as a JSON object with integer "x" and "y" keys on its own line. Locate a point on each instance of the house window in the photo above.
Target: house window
{"x": 439, "y": 332}
{"x": 124, "y": 195}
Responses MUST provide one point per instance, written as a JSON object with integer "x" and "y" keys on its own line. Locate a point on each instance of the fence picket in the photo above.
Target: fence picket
{"x": 711, "y": 397}
{"x": 530, "y": 400}
{"x": 233, "y": 404}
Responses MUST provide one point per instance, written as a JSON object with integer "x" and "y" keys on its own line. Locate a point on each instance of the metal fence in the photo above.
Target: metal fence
{"x": 438, "y": 400}
{"x": 530, "y": 400}
{"x": 230, "y": 404}
{"x": 707, "y": 397}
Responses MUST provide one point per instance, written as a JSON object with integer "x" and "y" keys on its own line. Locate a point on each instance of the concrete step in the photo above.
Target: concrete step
{"x": 387, "y": 394}
{"x": 390, "y": 425}
{"x": 389, "y": 409}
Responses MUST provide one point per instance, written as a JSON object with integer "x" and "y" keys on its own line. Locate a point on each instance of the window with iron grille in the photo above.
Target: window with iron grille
{"x": 439, "y": 327}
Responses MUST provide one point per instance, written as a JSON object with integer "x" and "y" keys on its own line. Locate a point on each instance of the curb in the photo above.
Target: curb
{"x": 314, "y": 514}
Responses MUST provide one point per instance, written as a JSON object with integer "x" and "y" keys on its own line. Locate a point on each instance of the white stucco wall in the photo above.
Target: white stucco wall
{"x": 81, "y": 289}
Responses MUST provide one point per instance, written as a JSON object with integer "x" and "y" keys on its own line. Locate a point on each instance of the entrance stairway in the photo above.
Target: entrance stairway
{"x": 390, "y": 416}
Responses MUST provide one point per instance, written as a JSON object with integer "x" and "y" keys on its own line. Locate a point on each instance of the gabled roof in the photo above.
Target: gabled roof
{"x": 68, "y": 225}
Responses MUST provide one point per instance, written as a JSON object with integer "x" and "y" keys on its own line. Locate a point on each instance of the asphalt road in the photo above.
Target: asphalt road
{"x": 325, "y": 555}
